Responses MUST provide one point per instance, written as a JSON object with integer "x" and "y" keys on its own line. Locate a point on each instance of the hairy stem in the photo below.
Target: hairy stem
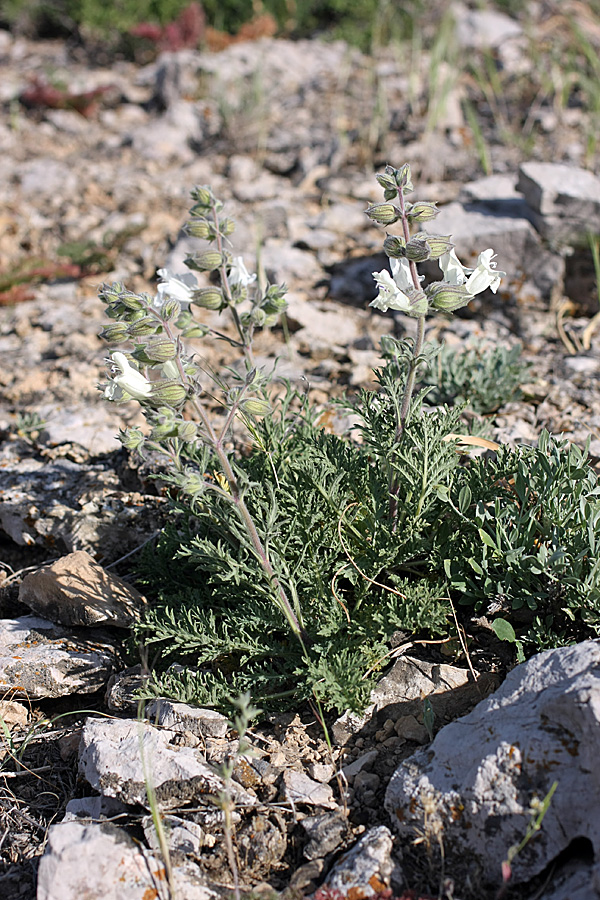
{"x": 412, "y": 368}
{"x": 238, "y": 500}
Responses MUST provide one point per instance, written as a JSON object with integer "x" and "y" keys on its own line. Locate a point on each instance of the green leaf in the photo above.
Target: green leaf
{"x": 504, "y": 630}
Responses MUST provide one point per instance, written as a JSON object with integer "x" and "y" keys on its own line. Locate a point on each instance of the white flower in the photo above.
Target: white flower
{"x": 398, "y": 292}
{"x": 238, "y": 273}
{"x": 390, "y": 296}
{"x": 128, "y": 381}
{"x": 485, "y": 275}
{"x": 395, "y": 292}
{"x": 453, "y": 269}
{"x": 178, "y": 287}
{"x": 476, "y": 280}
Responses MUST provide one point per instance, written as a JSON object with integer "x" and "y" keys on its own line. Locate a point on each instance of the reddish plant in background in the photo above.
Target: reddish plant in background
{"x": 41, "y": 94}
{"x": 186, "y": 32}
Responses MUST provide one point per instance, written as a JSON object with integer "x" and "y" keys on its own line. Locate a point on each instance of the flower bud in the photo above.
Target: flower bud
{"x": 203, "y": 196}
{"x": 403, "y": 178}
{"x": 192, "y": 483}
{"x": 258, "y": 317}
{"x": 115, "y": 333}
{"x": 208, "y": 298}
{"x": 394, "y": 246}
{"x": 163, "y": 429}
{"x": 226, "y": 227}
{"x": 185, "y": 319}
{"x": 199, "y": 228}
{"x": 387, "y": 181}
{"x": 417, "y": 251}
{"x": 161, "y": 350}
{"x": 438, "y": 243}
{"x": 195, "y": 330}
{"x": 384, "y": 213}
{"x": 186, "y": 431}
{"x": 422, "y": 211}
{"x": 109, "y": 293}
{"x": 418, "y": 304}
{"x": 205, "y": 261}
{"x": 131, "y": 300}
{"x": 131, "y": 438}
{"x": 144, "y": 326}
{"x": 172, "y": 393}
{"x": 448, "y": 297}
{"x": 274, "y": 306}
{"x": 171, "y": 309}
{"x": 254, "y": 406}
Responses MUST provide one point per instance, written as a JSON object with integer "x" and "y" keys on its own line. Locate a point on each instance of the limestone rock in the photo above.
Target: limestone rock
{"x": 75, "y": 590}
{"x": 60, "y": 503}
{"x": 299, "y": 788}
{"x": 324, "y": 832}
{"x": 101, "y": 862}
{"x": 565, "y": 200}
{"x": 110, "y": 759}
{"x": 367, "y": 869}
{"x": 181, "y": 717}
{"x": 39, "y": 659}
{"x": 183, "y": 835}
{"x": 482, "y": 771}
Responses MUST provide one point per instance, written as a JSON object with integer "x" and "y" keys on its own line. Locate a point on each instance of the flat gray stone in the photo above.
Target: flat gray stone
{"x": 183, "y": 835}
{"x": 181, "y": 717}
{"x": 479, "y": 28}
{"x": 39, "y": 659}
{"x": 299, "y": 788}
{"x": 482, "y": 771}
{"x": 110, "y": 759}
{"x": 565, "y": 200}
{"x": 325, "y": 833}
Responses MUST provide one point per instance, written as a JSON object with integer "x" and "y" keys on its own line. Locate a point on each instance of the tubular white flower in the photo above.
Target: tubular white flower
{"x": 128, "y": 379}
{"x": 395, "y": 292}
{"x": 401, "y": 274}
{"x": 179, "y": 287}
{"x": 390, "y": 296}
{"x": 453, "y": 269}
{"x": 485, "y": 275}
{"x": 239, "y": 274}
{"x": 476, "y": 280}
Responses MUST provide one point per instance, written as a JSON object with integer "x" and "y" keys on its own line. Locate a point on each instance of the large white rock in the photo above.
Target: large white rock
{"x": 101, "y": 862}
{"x": 367, "y": 868}
{"x": 482, "y": 771}
{"x": 121, "y": 757}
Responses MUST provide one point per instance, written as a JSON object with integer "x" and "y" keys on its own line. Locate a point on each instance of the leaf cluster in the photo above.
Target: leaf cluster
{"x": 524, "y": 538}
{"x": 486, "y": 378}
{"x": 320, "y": 504}
{"x": 516, "y": 536}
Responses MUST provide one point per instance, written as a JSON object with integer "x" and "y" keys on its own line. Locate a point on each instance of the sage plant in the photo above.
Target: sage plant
{"x": 152, "y": 363}
{"x": 156, "y": 369}
{"x": 401, "y": 291}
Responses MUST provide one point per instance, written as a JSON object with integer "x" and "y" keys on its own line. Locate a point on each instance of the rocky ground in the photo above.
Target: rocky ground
{"x": 289, "y": 134}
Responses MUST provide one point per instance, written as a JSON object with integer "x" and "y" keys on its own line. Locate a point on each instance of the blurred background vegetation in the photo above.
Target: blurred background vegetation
{"x": 360, "y": 22}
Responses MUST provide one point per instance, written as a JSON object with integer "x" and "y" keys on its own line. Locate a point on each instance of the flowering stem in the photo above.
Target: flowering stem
{"x": 245, "y": 339}
{"x": 412, "y": 367}
{"x": 238, "y": 500}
